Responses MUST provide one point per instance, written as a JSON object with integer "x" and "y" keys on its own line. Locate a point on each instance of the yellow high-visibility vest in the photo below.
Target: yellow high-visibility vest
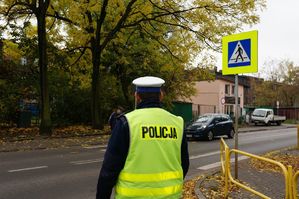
{"x": 153, "y": 165}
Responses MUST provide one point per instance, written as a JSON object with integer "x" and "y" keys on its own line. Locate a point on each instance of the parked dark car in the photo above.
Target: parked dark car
{"x": 210, "y": 125}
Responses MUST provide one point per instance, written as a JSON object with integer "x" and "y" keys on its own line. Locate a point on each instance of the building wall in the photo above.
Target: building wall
{"x": 209, "y": 94}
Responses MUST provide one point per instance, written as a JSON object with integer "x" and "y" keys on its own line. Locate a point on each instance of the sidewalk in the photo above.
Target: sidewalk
{"x": 253, "y": 128}
{"x": 23, "y": 139}
{"x": 51, "y": 143}
{"x": 64, "y": 141}
{"x": 269, "y": 183}
{"x": 263, "y": 177}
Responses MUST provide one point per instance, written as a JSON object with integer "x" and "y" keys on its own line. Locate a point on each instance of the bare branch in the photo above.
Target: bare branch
{"x": 77, "y": 48}
{"x": 119, "y": 25}
{"x": 57, "y": 16}
{"x": 16, "y": 4}
{"x": 81, "y": 55}
{"x": 162, "y": 44}
{"x": 52, "y": 25}
{"x": 161, "y": 14}
{"x": 100, "y": 21}
{"x": 46, "y": 5}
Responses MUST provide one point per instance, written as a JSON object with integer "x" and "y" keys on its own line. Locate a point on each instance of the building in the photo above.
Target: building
{"x": 218, "y": 96}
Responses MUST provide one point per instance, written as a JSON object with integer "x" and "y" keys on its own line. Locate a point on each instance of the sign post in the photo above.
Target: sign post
{"x": 239, "y": 55}
{"x": 236, "y": 124}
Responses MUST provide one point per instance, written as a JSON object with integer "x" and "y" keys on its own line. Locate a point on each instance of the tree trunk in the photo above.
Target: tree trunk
{"x": 124, "y": 84}
{"x": 46, "y": 125}
{"x": 95, "y": 98}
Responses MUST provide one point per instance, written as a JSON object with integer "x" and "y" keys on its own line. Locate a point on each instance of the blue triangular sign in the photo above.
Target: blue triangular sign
{"x": 239, "y": 53}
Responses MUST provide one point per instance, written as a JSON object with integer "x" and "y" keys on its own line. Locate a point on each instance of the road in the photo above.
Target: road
{"x": 72, "y": 173}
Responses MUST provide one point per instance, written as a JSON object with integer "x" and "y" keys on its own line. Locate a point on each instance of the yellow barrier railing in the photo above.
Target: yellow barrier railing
{"x": 223, "y": 146}
{"x": 224, "y": 152}
{"x": 290, "y": 180}
{"x": 295, "y": 190}
{"x": 283, "y": 168}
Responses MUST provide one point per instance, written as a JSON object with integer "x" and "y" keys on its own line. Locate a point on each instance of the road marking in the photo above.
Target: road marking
{"x": 204, "y": 155}
{"x": 95, "y": 147}
{"x": 218, "y": 164}
{"x": 86, "y": 161}
{"x": 27, "y": 169}
{"x": 262, "y": 138}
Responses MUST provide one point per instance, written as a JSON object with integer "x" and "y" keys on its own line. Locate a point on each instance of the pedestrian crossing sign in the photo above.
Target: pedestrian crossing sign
{"x": 239, "y": 53}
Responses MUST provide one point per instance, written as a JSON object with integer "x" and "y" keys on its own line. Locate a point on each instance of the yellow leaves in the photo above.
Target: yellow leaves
{"x": 59, "y": 132}
{"x": 167, "y": 68}
{"x": 11, "y": 51}
{"x": 16, "y": 139}
{"x": 286, "y": 157}
{"x": 31, "y": 31}
{"x": 188, "y": 189}
{"x": 212, "y": 187}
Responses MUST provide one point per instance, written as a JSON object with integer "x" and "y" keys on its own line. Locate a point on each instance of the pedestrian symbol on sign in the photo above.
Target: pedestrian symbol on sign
{"x": 239, "y": 53}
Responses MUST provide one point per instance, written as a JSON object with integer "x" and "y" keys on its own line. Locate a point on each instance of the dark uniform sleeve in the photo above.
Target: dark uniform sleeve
{"x": 185, "y": 155}
{"x": 115, "y": 158}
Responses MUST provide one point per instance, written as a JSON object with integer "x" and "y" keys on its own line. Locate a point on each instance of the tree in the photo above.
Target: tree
{"x": 15, "y": 10}
{"x": 281, "y": 84}
{"x": 265, "y": 93}
{"x": 198, "y": 25}
{"x": 290, "y": 82}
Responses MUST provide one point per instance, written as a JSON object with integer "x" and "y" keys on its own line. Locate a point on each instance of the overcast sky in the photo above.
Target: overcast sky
{"x": 278, "y": 32}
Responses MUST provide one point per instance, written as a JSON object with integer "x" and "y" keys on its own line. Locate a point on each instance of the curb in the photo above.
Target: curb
{"x": 197, "y": 191}
{"x": 54, "y": 137}
{"x": 265, "y": 128}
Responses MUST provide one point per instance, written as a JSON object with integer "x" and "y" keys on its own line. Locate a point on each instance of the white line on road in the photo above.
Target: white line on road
{"x": 27, "y": 169}
{"x": 217, "y": 164}
{"x": 86, "y": 161}
{"x": 204, "y": 155}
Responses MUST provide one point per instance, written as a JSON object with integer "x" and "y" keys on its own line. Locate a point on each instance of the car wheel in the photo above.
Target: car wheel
{"x": 210, "y": 136}
{"x": 231, "y": 134}
{"x": 278, "y": 123}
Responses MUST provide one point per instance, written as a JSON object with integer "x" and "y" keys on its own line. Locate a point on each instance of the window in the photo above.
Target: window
{"x": 217, "y": 119}
{"x": 233, "y": 89}
{"x": 227, "y": 89}
{"x": 224, "y": 118}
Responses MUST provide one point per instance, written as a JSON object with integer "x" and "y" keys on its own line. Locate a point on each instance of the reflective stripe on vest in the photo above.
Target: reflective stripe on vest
{"x": 133, "y": 177}
{"x": 153, "y": 165}
{"x": 165, "y": 191}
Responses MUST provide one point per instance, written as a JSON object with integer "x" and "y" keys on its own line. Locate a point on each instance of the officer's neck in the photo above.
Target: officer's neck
{"x": 149, "y": 104}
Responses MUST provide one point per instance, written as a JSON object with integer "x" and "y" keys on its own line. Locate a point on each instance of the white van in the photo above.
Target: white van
{"x": 266, "y": 116}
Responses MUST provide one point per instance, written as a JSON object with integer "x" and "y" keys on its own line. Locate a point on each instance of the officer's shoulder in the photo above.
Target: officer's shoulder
{"x": 175, "y": 116}
{"x": 122, "y": 118}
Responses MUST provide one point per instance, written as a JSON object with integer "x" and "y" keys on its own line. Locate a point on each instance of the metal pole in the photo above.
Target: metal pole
{"x": 236, "y": 125}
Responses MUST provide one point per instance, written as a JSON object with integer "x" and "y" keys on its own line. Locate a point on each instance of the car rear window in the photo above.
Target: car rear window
{"x": 204, "y": 119}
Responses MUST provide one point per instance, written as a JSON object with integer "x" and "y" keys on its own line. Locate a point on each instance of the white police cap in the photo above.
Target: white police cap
{"x": 148, "y": 84}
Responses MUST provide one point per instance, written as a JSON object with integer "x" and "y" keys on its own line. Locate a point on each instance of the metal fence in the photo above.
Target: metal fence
{"x": 291, "y": 179}
{"x": 290, "y": 113}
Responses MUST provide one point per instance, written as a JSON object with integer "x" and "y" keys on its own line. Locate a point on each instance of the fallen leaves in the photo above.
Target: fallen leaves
{"x": 188, "y": 189}
{"x": 19, "y": 134}
{"x": 213, "y": 187}
{"x": 287, "y": 157}
{"x": 20, "y": 139}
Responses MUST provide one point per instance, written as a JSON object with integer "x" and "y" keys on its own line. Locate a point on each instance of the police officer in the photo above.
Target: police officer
{"x": 147, "y": 154}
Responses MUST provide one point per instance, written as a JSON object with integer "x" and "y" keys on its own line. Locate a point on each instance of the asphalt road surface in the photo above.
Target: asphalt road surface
{"x": 72, "y": 173}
